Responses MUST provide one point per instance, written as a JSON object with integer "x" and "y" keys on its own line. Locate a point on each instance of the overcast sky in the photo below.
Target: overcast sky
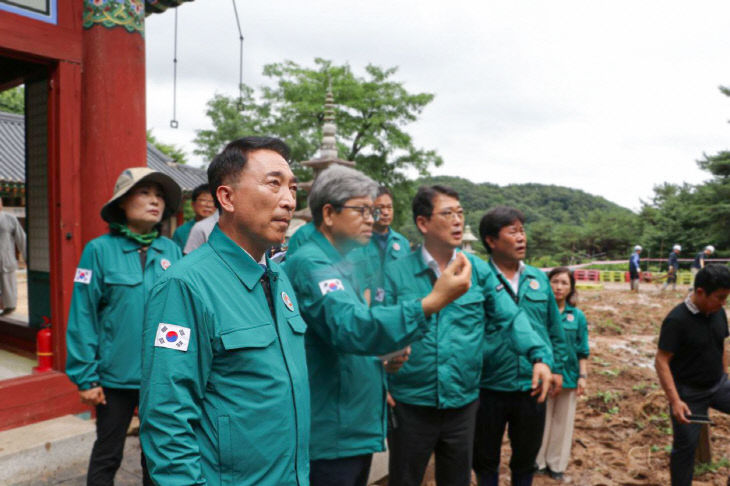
{"x": 609, "y": 97}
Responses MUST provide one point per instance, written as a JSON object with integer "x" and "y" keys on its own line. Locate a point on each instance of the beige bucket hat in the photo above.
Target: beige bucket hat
{"x": 133, "y": 176}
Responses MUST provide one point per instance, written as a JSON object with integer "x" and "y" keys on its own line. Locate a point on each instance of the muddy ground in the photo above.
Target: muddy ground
{"x": 622, "y": 431}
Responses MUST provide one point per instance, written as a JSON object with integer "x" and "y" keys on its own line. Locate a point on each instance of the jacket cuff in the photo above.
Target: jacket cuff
{"x": 540, "y": 354}
{"x": 88, "y": 385}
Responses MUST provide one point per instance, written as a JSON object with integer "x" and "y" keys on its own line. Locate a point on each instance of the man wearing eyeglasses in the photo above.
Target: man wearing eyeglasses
{"x": 436, "y": 391}
{"x": 386, "y": 245}
{"x": 203, "y": 206}
{"x": 345, "y": 335}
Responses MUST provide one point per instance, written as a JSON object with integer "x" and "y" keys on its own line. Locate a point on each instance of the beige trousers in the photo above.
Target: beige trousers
{"x": 557, "y": 438}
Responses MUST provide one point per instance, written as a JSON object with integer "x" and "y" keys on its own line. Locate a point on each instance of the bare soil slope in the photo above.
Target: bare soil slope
{"x": 622, "y": 431}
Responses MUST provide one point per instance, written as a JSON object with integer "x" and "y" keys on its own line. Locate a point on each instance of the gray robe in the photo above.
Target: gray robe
{"x": 12, "y": 236}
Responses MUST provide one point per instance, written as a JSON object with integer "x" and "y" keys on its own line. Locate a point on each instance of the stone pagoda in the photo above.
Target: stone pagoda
{"x": 327, "y": 153}
{"x": 468, "y": 240}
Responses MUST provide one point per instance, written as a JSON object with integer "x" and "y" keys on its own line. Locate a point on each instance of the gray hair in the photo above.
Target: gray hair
{"x": 336, "y": 185}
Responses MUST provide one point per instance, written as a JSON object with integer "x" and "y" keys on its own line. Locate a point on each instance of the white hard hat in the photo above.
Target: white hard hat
{"x": 677, "y": 247}
{"x": 638, "y": 248}
{"x": 710, "y": 248}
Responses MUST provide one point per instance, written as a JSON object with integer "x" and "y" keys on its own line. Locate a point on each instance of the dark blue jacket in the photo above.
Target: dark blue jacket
{"x": 699, "y": 258}
{"x": 673, "y": 261}
{"x": 634, "y": 263}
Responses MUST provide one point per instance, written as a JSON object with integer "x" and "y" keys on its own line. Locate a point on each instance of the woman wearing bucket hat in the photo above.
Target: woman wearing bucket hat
{"x": 112, "y": 282}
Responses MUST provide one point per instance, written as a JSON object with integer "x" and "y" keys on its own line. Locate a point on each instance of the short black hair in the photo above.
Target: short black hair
{"x": 495, "y": 219}
{"x": 572, "y": 295}
{"x": 713, "y": 277}
{"x": 423, "y": 201}
{"x": 382, "y": 191}
{"x": 229, "y": 163}
{"x": 201, "y": 189}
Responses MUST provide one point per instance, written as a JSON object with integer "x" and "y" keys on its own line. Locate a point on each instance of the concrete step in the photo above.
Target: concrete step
{"x": 36, "y": 453}
{"x": 56, "y": 453}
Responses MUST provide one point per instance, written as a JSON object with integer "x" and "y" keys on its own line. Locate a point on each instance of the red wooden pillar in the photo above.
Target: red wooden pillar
{"x": 64, "y": 184}
{"x": 112, "y": 116}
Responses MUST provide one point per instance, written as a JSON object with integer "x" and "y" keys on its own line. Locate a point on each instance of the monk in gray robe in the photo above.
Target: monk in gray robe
{"x": 12, "y": 242}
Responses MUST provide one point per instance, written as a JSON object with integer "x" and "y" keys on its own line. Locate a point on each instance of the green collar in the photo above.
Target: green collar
{"x": 421, "y": 266}
{"x": 241, "y": 263}
{"x": 143, "y": 239}
{"x": 128, "y": 245}
{"x": 329, "y": 250}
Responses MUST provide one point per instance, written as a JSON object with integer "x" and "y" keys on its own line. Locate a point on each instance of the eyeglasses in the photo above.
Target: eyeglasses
{"x": 459, "y": 213}
{"x": 369, "y": 210}
{"x": 205, "y": 202}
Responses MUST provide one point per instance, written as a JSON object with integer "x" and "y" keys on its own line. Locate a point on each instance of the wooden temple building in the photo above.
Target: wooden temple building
{"x": 83, "y": 66}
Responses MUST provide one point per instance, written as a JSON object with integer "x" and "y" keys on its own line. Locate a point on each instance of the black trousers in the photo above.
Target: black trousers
{"x": 416, "y": 432}
{"x": 686, "y": 436}
{"x": 526, "y": 419}
{"x": 345, "y": 471}
{"x": 112, "y": 422}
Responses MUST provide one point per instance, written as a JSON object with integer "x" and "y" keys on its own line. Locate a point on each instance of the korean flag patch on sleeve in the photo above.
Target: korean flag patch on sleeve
{"x": 83, "y": 275}
{"x": 331, "y": 285}
{"x": 172, "y": 336}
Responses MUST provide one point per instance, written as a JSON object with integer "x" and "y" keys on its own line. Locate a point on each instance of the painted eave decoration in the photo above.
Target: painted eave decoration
{"x": 129, "y": 14}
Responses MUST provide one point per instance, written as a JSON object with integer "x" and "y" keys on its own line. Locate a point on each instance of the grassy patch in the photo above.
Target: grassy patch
{"x": 666, "y": 448}
{"x": 712, "y": 467}
{"x": 608, "y": 326}
{"x": 609, "y": 372}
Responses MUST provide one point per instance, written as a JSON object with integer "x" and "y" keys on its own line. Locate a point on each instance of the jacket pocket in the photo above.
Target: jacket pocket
{"x": 536, "y": 296}
{"x": 120, "y": 289}
{"x": 253, "y": 337}
{"x": 297, "y": 324}
{"x": 117, "y": 278}
{"x": 225, "y": 450}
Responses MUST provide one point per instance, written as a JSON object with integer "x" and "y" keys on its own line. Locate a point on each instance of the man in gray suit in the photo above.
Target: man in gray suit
{"x": 12, "y": 240}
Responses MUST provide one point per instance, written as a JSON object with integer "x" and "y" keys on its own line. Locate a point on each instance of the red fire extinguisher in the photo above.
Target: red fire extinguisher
{"x": 43, "y": 347}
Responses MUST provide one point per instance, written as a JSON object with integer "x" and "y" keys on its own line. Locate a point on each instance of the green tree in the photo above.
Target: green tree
{"x": 712, "y": 200}
{"x": 371, "y": 115}
{"x": 692, "y": 216}
{"x": 176, "y": 153}
{"x": 713, "y": 197}
{"x": 13, "y": 100}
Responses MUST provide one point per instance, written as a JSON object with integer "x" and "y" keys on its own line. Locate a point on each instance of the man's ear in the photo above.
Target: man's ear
{"x": 225, "y": 197}
{"x": 490, "y": 241}
{"x": 421, "y": 224}
{"x": 328, "y": 210}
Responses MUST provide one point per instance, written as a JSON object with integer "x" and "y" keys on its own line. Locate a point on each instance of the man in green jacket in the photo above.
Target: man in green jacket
{"x": 203, "y": 206}
{"x": 436, "y": 392}
{"x": 386, "y": 245}
{"x": 506, "y": 396}
{"x": 300, "y": 236}
{"x": 345, "y": 335}
{"x": 225, "y": 398}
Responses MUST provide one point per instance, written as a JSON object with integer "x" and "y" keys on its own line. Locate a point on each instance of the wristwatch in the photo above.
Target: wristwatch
{"x": 537, "y": 360}
{"x": 583, "y": 375}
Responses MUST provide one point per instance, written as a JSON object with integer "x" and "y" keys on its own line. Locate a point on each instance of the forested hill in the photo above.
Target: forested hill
{"x": 539, "y": 202}
{"x": 564, "y": 225}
